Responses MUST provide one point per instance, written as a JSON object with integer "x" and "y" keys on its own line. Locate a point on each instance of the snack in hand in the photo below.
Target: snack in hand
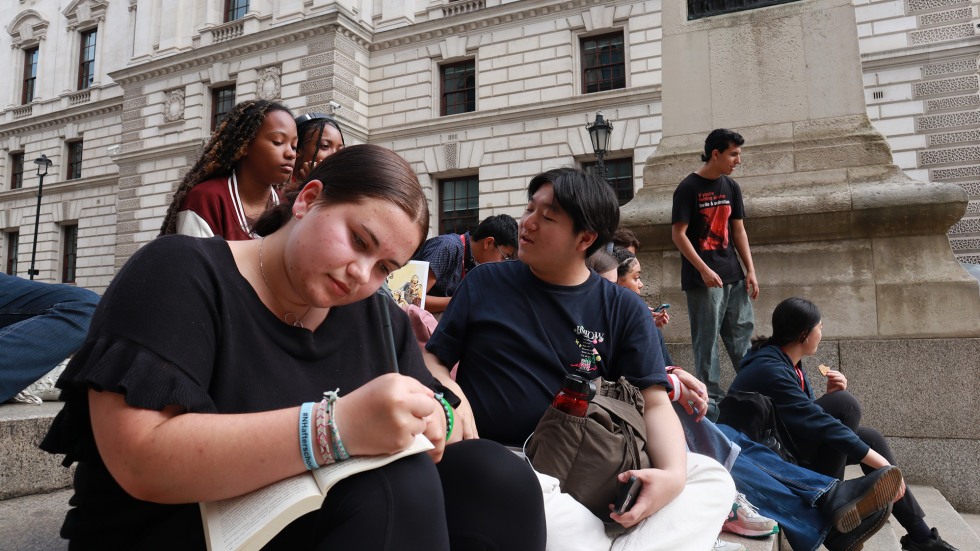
{"x": 823, "y": 369}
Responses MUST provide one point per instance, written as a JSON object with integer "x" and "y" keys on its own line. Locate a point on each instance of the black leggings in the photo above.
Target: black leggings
{"x": 829, "y": 461}
{"x": 480, "y": 497}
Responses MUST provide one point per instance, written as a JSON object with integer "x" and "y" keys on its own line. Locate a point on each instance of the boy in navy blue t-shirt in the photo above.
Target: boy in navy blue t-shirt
{"x": 517, "y": 328}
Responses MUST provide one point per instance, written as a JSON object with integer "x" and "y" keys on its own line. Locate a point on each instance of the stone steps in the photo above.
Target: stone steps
{"x": 34, "y": 494}
{"x": 24, "y": 468}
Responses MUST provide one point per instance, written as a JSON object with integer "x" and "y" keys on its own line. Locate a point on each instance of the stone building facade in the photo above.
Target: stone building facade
{"x": 479, "y": 95}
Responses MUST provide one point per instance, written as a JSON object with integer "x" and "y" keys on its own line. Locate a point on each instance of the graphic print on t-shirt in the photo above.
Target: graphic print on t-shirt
{"x": 714, "y": 209}
{"x": 589, "y": 356}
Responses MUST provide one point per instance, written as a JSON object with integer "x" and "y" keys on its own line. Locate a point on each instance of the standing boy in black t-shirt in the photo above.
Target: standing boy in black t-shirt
{"x": 708, "y": 230}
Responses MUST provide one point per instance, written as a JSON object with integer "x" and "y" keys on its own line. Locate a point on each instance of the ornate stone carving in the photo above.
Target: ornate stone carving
{"x": 451, "y": 157}
{"x": 948, "y": 120}
{"x": 961, "y": 14}
{"x": 173, "y": 105}
{"x": 927, "y": 5}
{"x": 972, "y": 188}
{"x": 955, "y": 102}
{"x": 951, "y": 173}
{"x": 940, "y": 34}
{"x": 27, "y": 29}
{"x": 697, "y": 9}
{"x": 945, "y": 86}
{"x": 964, "y": 244}
{"x": 269, "y": 83}
{"x": 316, "y": 60}
{"x": 966, "y": 225}
{"x": 954, "y": 137}
{"x": 85, "y": 13}
{"x": 960, "y": 66}
{"x": 949, "y": 156}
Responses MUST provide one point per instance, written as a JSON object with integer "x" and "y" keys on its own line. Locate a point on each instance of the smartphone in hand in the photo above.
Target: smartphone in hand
{"x": 627, "y": 495}
{"x": 662, "y": 307}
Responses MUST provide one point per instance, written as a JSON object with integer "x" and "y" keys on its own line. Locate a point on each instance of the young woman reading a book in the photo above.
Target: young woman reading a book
{"x": 190, "y": 384}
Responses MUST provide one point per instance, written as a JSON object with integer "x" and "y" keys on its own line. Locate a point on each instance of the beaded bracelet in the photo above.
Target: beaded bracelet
{"x": 305, "y": 436}
{"x": 322, "y": 436}
{"x": 339, "y": 452}
{"x": 450, "y": 416}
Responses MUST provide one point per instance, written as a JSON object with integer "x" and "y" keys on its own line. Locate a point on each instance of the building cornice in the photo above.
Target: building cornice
{"x": 63, "y": 186}
{"x": 205, "y": 56}
{"x": 584, "y": 105}
{"x": 918, "y": 55}
{"x": 471, "y": 21}
{"x": 161, "y": 152}
{"x": 62, "y": 117}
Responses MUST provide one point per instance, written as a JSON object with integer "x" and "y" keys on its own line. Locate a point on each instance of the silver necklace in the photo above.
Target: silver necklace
{"x": 297, "y": 321}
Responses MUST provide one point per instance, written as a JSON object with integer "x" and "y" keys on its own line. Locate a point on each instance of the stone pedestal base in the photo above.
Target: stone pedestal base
{"x": 828, "y": 218}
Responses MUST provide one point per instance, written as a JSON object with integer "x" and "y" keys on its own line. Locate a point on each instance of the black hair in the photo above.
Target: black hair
{"x": 589, "y": 201}
{"x": 624, "y": 237}
{"x": 720, "y": 139}
{"x": 501, "y": 227}
{"x": 792, "y": 321}
{"x": 624, "y": 260}
{"x": 310, "y": 125}
{"x": 229, "y": 142}
{"x": 352, "y": 175}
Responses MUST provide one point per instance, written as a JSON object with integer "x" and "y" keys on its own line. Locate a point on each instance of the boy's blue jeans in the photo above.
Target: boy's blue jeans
{"x": 40, "y": 325}
{"x": 782, "y": 491}
{"x": 785, "y": 492}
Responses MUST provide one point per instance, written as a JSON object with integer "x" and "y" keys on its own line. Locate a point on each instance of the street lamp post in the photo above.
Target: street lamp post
{"x": 599, "y": 131}
{"x": 42, "y": 163}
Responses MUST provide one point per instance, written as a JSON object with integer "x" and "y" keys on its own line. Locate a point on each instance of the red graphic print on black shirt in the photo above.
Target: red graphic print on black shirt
{"x": 715, "y": 210}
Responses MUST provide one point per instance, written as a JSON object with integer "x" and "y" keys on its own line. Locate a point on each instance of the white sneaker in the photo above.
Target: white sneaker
{"x": 722, "y": 545}
{"x": 745, "y": 520}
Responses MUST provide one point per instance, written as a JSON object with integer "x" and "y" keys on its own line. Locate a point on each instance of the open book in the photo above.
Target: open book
{"x": 250, "y": 521}
{"x": 408, "y": 284}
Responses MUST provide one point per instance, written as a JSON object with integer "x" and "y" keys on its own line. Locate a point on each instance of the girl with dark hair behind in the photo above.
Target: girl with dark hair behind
{"x": 603, "y": 263}
{"x": 827, "y": 431}
{"x": 319, "y": 137}
{"x": 190, "y": 384}
{"x": 249, "y": 155}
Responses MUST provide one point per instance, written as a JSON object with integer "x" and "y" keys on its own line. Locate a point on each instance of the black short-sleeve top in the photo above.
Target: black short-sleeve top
{"x": 179, "y": 325}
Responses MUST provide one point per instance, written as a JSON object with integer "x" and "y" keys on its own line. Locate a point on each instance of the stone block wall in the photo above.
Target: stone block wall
{"x": 530, "y": 107}
{"x": 922, "y": 88}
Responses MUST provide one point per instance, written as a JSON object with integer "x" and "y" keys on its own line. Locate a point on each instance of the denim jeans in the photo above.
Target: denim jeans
{"x": 726, "y": 311}
{"x": 785, "y": 492}
{"x": 40, "y": 325}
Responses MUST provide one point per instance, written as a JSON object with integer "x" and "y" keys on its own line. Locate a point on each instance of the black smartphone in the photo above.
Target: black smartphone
{"x": 627, "y": 495}
{"x": 662, "y": 307}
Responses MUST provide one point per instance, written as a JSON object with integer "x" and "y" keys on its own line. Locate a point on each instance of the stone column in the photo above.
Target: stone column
{"x": 829, "y": 217}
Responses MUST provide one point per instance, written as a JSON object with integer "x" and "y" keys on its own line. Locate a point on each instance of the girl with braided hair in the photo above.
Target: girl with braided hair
{"x": 319, "y": 137}
{"x": 206, "y": 362}
{"x": 249, "y": 155}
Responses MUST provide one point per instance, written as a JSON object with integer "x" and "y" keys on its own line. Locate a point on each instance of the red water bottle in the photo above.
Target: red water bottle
{"x": 574, "y": 396}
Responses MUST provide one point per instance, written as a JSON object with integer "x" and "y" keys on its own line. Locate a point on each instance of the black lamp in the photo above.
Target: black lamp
{"x": 42, "y": 162}
{"x": 599, "y": 131}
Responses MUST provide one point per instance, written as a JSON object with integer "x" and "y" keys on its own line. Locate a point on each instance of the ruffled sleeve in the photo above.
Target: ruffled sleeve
{"x": 152, "y": 339}
{"x": 147, "y": 380}
{"x": 114, "y": 364}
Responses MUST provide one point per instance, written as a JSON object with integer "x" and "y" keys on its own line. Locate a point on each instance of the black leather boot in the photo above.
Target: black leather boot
{"x": 854, "y": 540}
{"x": 851, "y": 501}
